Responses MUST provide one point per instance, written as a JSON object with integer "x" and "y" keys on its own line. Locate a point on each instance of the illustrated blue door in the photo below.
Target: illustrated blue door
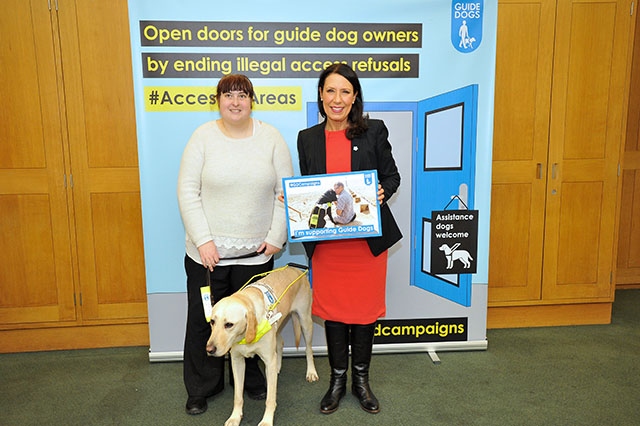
{"x": 443, "y": 178}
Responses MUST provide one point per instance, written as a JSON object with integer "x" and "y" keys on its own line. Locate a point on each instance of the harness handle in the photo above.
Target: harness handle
{"x": 297, "y": 265}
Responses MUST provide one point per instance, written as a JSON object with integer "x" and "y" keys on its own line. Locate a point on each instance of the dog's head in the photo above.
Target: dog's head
{"x": 328, "y": 197}
{"x": 232, "y": 319}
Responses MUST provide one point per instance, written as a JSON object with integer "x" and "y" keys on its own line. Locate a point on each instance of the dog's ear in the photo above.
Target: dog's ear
{"x": 252, "y": 325}
{"x": 250, "y": 315}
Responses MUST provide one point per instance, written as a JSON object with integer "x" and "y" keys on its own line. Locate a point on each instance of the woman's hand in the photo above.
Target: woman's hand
{"x": 268, "y": 249}
{"x": 209, "y": 255}
{"x": 380, "y": 193}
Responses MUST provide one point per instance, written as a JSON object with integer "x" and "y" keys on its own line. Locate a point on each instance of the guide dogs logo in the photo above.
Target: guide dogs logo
{"x": 466, "y": 25}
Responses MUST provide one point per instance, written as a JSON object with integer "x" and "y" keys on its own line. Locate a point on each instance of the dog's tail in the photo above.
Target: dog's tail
{"x": 296, "y": 328}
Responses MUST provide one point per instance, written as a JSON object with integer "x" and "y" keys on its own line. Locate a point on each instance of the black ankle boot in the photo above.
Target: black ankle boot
{"x": 338, "y": 347}
{"x": 361, "y": 347}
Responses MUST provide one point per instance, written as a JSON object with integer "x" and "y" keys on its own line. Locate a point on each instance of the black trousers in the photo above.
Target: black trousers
{"x": 204, "y": 374}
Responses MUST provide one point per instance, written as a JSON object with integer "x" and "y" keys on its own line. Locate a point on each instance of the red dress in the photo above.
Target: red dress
{"x": 349, "y": 283}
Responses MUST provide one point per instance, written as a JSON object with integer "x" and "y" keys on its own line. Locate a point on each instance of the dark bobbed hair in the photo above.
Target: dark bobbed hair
{"x": 357, "y": 120}
{"x": 235, "y": 82}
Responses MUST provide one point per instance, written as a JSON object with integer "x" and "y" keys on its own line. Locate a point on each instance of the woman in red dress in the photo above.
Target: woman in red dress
{"x": 349, "y": 276}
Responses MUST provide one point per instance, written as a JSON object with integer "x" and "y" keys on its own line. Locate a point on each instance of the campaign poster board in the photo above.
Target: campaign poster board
{"x": 312, "y": 206}
{"x": 422, "y": 64}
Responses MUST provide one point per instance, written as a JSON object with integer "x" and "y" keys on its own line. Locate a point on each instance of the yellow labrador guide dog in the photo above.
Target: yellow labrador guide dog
{"x": 247, "y": 324}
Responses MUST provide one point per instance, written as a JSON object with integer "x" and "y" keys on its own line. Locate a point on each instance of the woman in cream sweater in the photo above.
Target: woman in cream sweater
{"x": 228, "y": 186}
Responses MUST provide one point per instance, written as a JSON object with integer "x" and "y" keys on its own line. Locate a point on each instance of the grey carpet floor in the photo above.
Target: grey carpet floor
{"x": 585, "y": 375}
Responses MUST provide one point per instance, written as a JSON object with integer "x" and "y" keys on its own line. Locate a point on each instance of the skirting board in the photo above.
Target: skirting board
{"x": 377, "y": 349}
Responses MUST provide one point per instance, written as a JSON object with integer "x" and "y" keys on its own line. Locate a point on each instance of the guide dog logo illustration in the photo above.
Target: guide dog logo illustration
{"x": 452, "y": 254}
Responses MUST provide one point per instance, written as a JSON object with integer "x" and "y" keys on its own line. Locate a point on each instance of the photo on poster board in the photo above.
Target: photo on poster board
{"x": 332, "y": 206}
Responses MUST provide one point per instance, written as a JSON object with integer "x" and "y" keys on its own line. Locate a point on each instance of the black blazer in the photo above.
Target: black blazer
{"x": 369, "y": 151}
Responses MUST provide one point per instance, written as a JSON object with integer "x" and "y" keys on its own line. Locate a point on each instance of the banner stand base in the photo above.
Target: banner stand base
{"x": 429, "y": 348}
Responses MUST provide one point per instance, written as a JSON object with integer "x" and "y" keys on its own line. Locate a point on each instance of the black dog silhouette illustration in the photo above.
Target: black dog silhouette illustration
{"x": 322, "y": 209}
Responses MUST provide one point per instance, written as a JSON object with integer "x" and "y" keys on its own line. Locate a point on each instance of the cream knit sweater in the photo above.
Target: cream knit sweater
{"x": 228, "y": 189}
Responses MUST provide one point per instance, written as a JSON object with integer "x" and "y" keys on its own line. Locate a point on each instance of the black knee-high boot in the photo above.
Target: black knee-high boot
{"x": 338, "y": 347}
{"x": 361, "y": 347}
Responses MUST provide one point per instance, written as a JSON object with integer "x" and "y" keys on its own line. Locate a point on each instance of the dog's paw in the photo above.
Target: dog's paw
{"x": 233, "y": 421}
{"x": 312, "y": 376}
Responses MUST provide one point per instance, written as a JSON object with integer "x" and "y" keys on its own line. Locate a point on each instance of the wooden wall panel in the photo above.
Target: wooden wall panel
{"x": 521, "y": 130}
{"x": 27, "y": 251}
{"x": 108, "y": 106}
{"x": 590, "y": 74}
{"x": 628, "y": 261}
{"x": 36, "y": 275}
{"x": 104, "y": 161}
{"x": 118, "y": 257}
{"x": 578, "y": 249}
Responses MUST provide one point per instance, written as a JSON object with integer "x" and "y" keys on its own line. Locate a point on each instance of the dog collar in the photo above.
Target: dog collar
{"x": 263, "y": 328}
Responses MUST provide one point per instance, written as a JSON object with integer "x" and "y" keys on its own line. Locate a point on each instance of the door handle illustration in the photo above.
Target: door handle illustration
{"x": 463, "y": 196}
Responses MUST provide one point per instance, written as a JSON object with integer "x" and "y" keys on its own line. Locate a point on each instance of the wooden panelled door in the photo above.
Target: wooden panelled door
{"x": 70, "y": 219}
{"x": 587, "y": 112}
{"x": 628, "y": 266}
{"x": 36, "y": 278}
{"x": 520, "y": 149}
{"x": 104, "y": 161}
{"x": 555, "y": 176}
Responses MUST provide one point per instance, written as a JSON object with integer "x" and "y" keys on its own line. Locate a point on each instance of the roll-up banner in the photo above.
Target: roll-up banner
{"x": 427, "y": 69}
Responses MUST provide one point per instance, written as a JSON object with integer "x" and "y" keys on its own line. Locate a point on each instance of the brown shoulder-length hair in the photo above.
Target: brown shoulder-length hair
{"x": 357, "y": 120}
{"x": 234, "y": 82}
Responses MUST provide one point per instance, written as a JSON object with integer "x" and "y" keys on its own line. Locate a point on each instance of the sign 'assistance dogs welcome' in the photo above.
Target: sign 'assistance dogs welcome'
{"x": 454, "y": 241}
